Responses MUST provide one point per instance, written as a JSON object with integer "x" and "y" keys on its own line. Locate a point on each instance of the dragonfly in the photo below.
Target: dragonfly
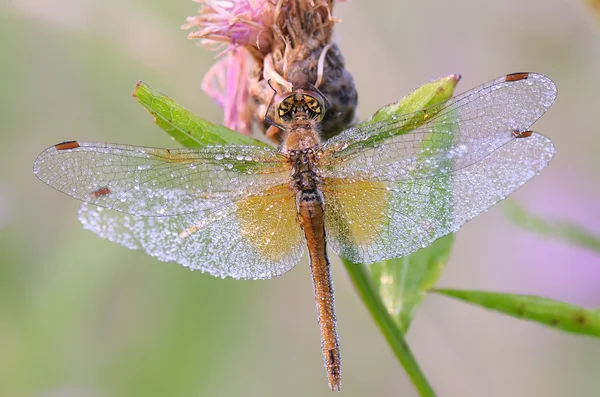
{"x": 376, "y": 191}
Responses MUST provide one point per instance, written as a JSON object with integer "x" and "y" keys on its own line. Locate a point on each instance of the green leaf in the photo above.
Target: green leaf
{"x": 393, "y": 289}
{"x": 564, "y": 231}
{"x": 184, "y": 126}
{"x": 403, "y": 283}
{"x": 426, "y": 96}
{"x": 546, "y": 311}
{"x": 412, "y": 111}
{"x": 388, "y": 327}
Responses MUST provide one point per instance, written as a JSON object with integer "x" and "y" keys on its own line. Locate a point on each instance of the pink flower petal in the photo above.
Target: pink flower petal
{"x": 227, "y": 84}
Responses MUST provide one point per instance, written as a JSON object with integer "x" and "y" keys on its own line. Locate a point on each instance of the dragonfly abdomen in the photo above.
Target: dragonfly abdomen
{"x": 311, "y": 206}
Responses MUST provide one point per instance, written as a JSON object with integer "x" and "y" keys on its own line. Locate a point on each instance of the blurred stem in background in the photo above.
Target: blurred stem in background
{"x": 565, "y": 231}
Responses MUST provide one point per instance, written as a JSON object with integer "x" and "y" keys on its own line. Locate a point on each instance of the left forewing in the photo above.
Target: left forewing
{"x": 159, "y": 182}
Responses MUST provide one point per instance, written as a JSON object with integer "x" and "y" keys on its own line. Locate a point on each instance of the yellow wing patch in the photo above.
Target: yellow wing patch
{"x": 355, "y": 211}
{"x": 268, "y": 222}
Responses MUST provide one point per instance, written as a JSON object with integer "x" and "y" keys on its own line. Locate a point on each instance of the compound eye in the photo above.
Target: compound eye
{"x": 314, "y": 105}
{"x": 284, "y": 107}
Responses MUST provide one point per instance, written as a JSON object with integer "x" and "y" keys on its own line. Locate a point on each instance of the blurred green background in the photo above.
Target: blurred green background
{"x": 80, "y": 316}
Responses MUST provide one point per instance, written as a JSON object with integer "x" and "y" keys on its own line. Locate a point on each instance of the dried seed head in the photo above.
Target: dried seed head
{"x": 290, "y": 42}
{"x": 334, "y": 82}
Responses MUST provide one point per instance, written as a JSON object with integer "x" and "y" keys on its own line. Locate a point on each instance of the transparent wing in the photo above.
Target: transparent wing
{"x": 157, "y": 182}
{"x": 465, "y": 130}
{"x": 395, "y": 218}
{"x": 408, "y": 188}
{"x": 256, "y": 237}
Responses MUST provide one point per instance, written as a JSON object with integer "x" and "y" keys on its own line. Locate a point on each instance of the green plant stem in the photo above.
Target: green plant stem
{"x": 392, "y": 333}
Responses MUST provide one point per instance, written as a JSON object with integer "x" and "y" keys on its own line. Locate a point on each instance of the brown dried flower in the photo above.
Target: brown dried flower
{"x": 288, "y": 43}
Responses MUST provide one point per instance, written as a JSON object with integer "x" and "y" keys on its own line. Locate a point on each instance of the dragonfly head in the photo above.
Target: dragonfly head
{"x": 301, "y": 105}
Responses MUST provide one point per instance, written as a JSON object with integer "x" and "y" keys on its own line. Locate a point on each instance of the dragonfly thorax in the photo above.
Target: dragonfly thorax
{"x": 304, "y": 174}
{"x": 300, "y": 135}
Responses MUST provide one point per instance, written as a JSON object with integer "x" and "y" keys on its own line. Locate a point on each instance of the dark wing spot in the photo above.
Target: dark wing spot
{"x": 67, "y": 145}
{"x": 516, "y": 76}
{"x": 521, "y": 134}
{"x": 103, "y": 191}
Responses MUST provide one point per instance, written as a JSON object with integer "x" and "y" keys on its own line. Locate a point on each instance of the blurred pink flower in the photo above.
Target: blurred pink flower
{"x": 227, "y": 84}
{"x": 243, "y": 22}
{"x": 561, "y": 270}
{"x": 242, "y": 28}
{"x": 539, "y": 265}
